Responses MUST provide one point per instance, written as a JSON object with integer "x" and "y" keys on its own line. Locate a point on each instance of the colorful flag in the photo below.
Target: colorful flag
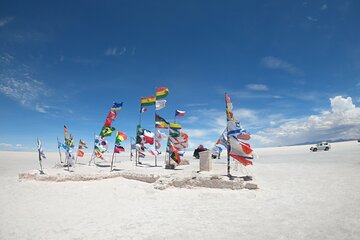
{"x": 174, "y": 133}
{"x": 147, "y": 137}
{"x": 98, "y": 153}
{"x": 65, "y": 132}
{"x": 80, "y": 153}
{"x": 179, "y": 113}
{"x": 120, "y": 137}
{"x": 148, "y": 101}
{"x": 160, "y": 119}
{"x": 160, "y": 104}
{"x": 101, "y": 143}
{"x": 160, "y": 136}
{"x": 161, "y": 92}
{"x": 229, "y": 107}
{"x": 118, "y": 149}
{"x": 108, "y": 122}
{"x": 175, "y": 126}
{"x": 116, "y": 106}
{"x": 174, "y": 154}
{"x": 106, "y": 131}
{"x": 142, "y": 109}
{"x": 161, "y": 125}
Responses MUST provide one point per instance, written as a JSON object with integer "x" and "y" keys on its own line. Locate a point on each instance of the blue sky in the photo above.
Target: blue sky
{"x": 292, "y": 68}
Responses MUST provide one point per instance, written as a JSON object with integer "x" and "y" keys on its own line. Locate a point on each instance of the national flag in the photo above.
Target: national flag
{"x": 161, "y": 125}
{"x": 118, "y": 149}
{"x": 108, "y": 122}
{"x": 160, "y": 136}
{"x": 65, "y": 147}
{"x": 180, "y": 142}
{"x": 174, "y": 133}
{"x": 120, "y": 137}
{"x": 234, "y": 128}
{"x": 98, "y": 154}
{"x": 242, "y": 160}
{"x": 160, "y": 104}
{"x": 160, "y": 119}
{"x": 179, "y": 113}
{"x": 240, "y": 148}
{"x": 69, "y": 141}
{"x": 142, "y": 109}
{"x": 116, "y": 106}
{"x": 141, "y": 154}
{"x": 148, "y": 137}
{"x": 161, "y": 92}
{"x": 175, "y": 154}
{"x": 65, "y": 132}
{"x": 106, "y": 131}
{"x": 148, "y": 101}
{"x": 101, "y": 143}
{"x": 175, "y": 126}
{"x": 80, "y": 153}
{"x": 229, "y": 107}
{"x": 223, "y": 140}
{"x": 82, "y": 144}
{"x": 40, "y": 150}
{"x": 111, "y": 115}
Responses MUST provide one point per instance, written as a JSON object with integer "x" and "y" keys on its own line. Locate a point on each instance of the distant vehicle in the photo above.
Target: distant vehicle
{"x": 321, "y": 146}
{"x": 358, "y": 140}
{"x": 200, "y": 148}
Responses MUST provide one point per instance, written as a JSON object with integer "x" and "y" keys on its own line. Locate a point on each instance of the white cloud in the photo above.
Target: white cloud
{"x": 25, "y": 92}
{"x": 5, "y": 21}
{"x": 323, "y": 7}
{"x": 341, "y": 122}
{"x": 274, "y": 63}
{"x": 311, "y": 19}
{"x": 11, "y": 147}
{"x": 257, "y": 87}
{"x": 115, "y": 51}
{"x": 196, "y": 104}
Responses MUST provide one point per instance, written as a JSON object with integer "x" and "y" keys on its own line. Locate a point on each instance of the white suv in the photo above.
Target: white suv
{"x": 321, "y": 146}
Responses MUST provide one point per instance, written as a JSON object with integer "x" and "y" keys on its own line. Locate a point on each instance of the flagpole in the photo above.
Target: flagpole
{"x": 112, "y": 160}
{"x": 155, "y": 130}
{"x": 41, "y": 168}
{"x": 59, "y": 149}
{"x": 92, "y": 155}
{"x": 228, "y": 140}
{"x": 77, "y": 152}
{"x": 130, "y": 148}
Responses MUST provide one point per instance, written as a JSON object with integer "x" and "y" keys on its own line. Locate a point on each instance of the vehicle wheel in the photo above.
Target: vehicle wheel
{"x": 326, "y": 149}
{"x": 314, "y": 149}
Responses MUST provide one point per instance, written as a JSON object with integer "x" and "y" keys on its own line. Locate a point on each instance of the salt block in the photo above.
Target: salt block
{"x": 251, "y": 186}
{"x": 205, "y": 161}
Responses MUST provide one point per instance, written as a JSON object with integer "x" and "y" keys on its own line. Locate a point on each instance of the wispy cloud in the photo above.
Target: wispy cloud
{"x": 311, "y": 19}
{"x": 257, "y": 87}
{"x": 324, "y": 7}
{"x": 6, "y": 58}
{"x": 196, "y": 104}
{"x": 5, "y": 21}
{"x": 12, "y": 147}
{"x": 341, "y": 122}
{"x": 274, "y": 63}
{"x": 116, "y": 51}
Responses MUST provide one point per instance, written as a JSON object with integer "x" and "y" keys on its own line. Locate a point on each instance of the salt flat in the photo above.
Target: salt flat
{"x": 302, "y": 195}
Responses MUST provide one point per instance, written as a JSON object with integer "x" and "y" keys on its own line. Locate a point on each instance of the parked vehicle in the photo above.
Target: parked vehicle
{"x": 321, "y": 146}
{"x": 200, "y": 148}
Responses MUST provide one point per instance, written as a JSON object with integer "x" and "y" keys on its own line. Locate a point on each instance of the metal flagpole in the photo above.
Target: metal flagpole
{"x": 41, "y": 168}
{"x": 92, "y": 155}
{"x": 112, "y": 160}
{"x": 77, "y": 152}
{"x": 155, "y": 130}
{"x": 131, "y": 154}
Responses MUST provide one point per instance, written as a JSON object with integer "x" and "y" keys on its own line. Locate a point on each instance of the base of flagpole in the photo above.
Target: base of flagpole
{"x": 170, "y": 166}
{"x": 247, "y": 178}
{"x": 41, "y": 172}
{"x": 231, "y": 177}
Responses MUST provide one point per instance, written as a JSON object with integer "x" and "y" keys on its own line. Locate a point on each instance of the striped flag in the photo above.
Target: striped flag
{"x": 179, "y": 113}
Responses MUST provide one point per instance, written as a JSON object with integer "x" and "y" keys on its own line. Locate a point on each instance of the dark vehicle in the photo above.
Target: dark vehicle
{"x": 200, "y": 148}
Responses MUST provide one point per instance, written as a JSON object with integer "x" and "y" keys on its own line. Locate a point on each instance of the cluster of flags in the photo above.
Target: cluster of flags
{"x": 82, "y": 145}
{"x": 100, "y": 143}
{"x": 234, "y": 136}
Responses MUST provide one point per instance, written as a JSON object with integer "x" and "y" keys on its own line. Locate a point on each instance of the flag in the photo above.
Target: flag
{"x": 229, "y": 107}
{"x": 108, "y": 122}
{"x": 148, "y": 137}
{"x": 69, "y": 141}
{"x": 65, "y": 132}
{"x": 181, "y": 142}
{"x": 142, "y": 109}
{"x": 141, "y": 154}
{"x": 106, "y": 131}
{"x": 65, "y": 147}
{"x": 160, "y": 119}
{"x": 147, "y": 101}
{"x": 161, "y": 92}
{"x": 98, "y": 153}
{"x": 174, "y": 133}
{"x": 179, "y": 113}
{"x": 175, "y": 126}
{"x": 111, "y": 115}
{"x": 160, "y": 104}
{"x": 120, "y": 137}
{"x": 80, "y": 153}
{"x": 101, "y": 143}
{"x": 70, "y": 159}
{"x": 160, "y": 136}
{"x": 116, "y": 106}
{"x": 223, "y": 139}
{"x": 82, "y": 144}
{"x": 161, "y": 125}
{"x": 40, "y": 150}
{"x": 118, "y": 149}
{"x": 175, "y": 154}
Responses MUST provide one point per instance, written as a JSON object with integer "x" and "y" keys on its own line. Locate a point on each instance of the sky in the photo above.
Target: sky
{"x": 291, "y": 68}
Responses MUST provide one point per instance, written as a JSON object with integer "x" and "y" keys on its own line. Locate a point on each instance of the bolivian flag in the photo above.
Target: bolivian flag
{"x": 161, "y": 92}
{"x": 148, "y": 101}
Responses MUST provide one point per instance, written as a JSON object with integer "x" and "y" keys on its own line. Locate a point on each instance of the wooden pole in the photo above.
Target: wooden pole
{"x": 112, "y": 160}
{"x": 228, "y": 140}
{"x": 59, "y": 149}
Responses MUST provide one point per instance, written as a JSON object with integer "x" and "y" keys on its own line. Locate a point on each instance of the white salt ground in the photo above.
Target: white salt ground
{"x": 302, "y": 195}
